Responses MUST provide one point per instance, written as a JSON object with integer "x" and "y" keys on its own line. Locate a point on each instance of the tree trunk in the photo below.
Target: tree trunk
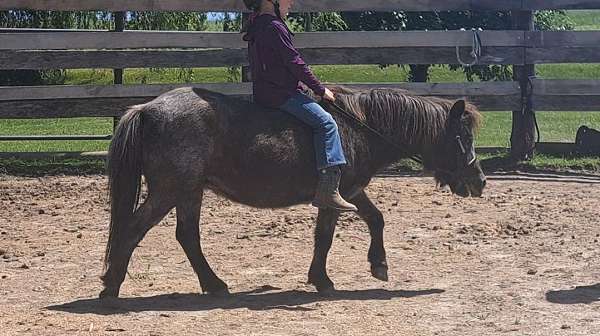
{"x": 308, "y": 22}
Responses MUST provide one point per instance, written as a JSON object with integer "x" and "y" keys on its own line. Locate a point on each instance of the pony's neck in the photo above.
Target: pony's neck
{"x": 411, "y": 123}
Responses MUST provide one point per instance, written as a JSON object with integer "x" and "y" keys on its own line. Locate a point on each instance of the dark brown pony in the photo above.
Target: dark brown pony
{"x": 188, "y": 140}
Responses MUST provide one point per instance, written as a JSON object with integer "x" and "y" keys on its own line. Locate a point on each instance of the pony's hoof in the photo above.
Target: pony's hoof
{"x": 220, "y": 293}
{"x": 108, "y": 292}
{"x": 380, "y": 272}
{"x": 328, "y": 291}
{"x": 111, "y": 303}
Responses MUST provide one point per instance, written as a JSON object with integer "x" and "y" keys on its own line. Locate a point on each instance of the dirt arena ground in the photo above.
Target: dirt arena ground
{"x": 522, "y": 260}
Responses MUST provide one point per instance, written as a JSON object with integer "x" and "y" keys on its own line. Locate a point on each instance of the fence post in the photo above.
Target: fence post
{"x": 308, "y": 23}
{"x": 522, "y": 139}
{"x": 246, "y": 75}
{"x": 119, "y": 18}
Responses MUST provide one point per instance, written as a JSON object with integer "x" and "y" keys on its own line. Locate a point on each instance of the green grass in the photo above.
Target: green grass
{"x": 495, "y": 131}
{"x": 152, "y": 76}
{"x": 376, "y": 74}
{"x": 585, "y": 19}
{"x": 568, "y": 71}
{"x": 74, "y": 126}
{"x": 358, "y": 73}
{"x": 542, "y": 161}
{"x": 554, "y": 126}
{"x": 561, "y": 127}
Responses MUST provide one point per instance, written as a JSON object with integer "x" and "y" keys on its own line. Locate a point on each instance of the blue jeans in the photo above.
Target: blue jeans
{"x": 328, "y": 146}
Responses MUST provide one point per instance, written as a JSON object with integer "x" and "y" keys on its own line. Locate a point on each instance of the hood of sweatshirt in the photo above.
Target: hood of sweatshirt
{"x": 257, "y": 23}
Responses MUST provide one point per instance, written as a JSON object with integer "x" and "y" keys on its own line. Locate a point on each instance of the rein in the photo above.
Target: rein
{"x": 343, "y": 112}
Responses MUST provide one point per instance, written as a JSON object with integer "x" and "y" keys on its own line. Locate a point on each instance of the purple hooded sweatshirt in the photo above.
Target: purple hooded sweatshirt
{"x": 276, "y": 66}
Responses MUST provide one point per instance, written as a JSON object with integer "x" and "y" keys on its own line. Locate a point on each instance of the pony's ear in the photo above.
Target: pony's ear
{"x": 458, "y": 109}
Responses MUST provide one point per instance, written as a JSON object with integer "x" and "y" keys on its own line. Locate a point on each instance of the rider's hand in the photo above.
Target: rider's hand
{"x": 328, "y": 95}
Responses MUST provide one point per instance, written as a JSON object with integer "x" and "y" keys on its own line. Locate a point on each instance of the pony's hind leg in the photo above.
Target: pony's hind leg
{"x": 370, "y": 214}
{"x": 144, "y": 218}
{"x": 188, "y": 236}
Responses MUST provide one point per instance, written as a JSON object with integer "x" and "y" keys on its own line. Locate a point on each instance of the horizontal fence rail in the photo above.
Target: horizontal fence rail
{"x": 238, "y": 6}
{"x": 560, "y": 4}
{"x": 153, "y": 90}
{"x": 228, "y": 49}
{"x": 300, "y": 5}
{"x": 565, "y": 95}
{"x": 69, "y": 39}
{"x": 78, "y": 59}
{"x": 135, "y": 39}
{"x": 562, "y": 47}
{"x": 113, "y": 100}
{"x": 561, "y": 55}
{"x": 562, "y": 39}
{"x": 103, "y": 50}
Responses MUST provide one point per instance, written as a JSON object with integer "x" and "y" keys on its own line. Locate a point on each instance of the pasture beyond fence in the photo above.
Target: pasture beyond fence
{"x": 77, "y": 49}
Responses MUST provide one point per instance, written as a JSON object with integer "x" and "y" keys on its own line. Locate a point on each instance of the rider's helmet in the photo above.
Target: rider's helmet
{"x": 252, "y": 5}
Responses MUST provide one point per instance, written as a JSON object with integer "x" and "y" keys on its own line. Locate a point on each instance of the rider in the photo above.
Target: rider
{"x": 276, "y": 69}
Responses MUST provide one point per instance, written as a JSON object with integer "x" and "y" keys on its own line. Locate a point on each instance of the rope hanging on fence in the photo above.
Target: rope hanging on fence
{"x": 476, "y": 52}
{"x": 527, "y": 104}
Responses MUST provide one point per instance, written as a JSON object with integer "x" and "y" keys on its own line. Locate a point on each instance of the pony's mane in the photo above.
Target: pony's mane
{"x": 395, "y": 112}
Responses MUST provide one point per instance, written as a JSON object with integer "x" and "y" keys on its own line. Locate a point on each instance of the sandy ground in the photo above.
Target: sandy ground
{"x": 522, "y": 260}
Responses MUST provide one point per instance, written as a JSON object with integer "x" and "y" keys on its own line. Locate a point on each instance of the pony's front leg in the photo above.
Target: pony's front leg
{"x": 317, "y": 275}
{"x": 370, "y": 214}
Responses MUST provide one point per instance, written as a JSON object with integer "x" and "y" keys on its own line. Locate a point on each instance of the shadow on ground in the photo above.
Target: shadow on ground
{"x": 580, "y": 294}
{"x": 264, "y": 298}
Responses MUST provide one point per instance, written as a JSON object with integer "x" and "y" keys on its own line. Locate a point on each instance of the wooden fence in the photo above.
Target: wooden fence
{"x": 300, "y": 5}
{"x": 75, "y": 49}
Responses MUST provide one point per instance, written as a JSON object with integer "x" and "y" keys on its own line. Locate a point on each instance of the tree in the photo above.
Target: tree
{"x": 52, "y": 19}
{"x": 181, "y": 21}
{"x": 331, "y": 21}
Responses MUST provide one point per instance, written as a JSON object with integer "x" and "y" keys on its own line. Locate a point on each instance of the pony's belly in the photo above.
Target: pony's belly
{"x": 274, "y": 192}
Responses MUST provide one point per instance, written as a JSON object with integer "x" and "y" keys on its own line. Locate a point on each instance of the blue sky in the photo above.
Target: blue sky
{"x": 216, "y": 15}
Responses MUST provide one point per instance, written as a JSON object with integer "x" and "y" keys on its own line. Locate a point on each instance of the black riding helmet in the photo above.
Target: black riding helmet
{"x": 252, "y": 5}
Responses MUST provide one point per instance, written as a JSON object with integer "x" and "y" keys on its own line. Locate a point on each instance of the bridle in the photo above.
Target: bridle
{"x": 464, "y": 160}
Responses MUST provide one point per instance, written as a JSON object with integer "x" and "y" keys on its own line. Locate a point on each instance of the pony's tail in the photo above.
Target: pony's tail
{"x": 124, "y": 174}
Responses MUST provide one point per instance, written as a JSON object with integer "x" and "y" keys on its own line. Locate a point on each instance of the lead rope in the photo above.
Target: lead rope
{"x": 527, "y": 102}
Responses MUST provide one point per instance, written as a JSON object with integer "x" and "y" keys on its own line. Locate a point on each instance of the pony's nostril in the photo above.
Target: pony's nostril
{"x": 483, "y": 183}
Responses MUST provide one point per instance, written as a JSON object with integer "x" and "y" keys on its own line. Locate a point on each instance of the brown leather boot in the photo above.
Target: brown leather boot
{"x": 328, "y": 195}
